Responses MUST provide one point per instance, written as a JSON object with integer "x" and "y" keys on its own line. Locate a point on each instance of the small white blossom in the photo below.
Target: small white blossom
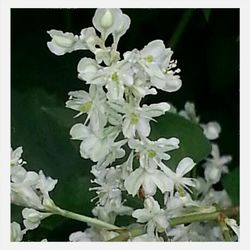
{"x": 16, "y": 232}
{"x": 216, "y": 166}
{"x": 211, "y": 130}
{"x": 190, "y": 113}
{"x": 177, "y": 177}
{"x": 95, "y": 145}
{"x": 151, "y": 153}
{"x": 30, "y": 189}
{"x": 217, "y": 197}
{"x": 16, "y": 157}
{"x": 154, "y": 58}
{"x": 114, "y": 78}
{"x": 92, "y": 103}
{"x": 138, "y": 118}
{"x": 153, "y": 215}
{"x": 109, "y": 21}
{"x": 61, "y": 43}
{"x": 148, "y": 180}
{"x": 23, "y": 193}
{"x": 32, "y": 218}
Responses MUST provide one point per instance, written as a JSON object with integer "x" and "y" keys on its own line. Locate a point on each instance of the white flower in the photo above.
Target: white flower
{"x": 16, "y": 157}
{"x": 189, "y": 112}
{"x": 148, "y": 180}
{"x": 23, "y": 193}
{"x": 32, "y": 218}
{"x": 114, "y": 78}
{"x": 107, "y": 21}
{"x": 87, "y": 69}
{"x": 61, "y": 43}
{"x": 45, "y": 185}
{"x": 216, "y": 166}
{"x": 154, "y": 58}
{"x": 217, "y": 197}
{"x": 152, "y": 152}
{"x": 16, "y": 232}
{"x": 177, "y": 204}
{"x": 89, "y": 38}
{"x": 92, "y": 103}
{"x": 141, "y": 86}
{"x": 138, "y": 118}
{"x": 153, "y": 215}
{"x": 115, "y": 152}
{"x": 177, "y": 178}
{"x": 211, "y": 130}
{"x": 29, "y": 189}
{"x": 95, "y": 145}
{"x": 121, "y": 28}
{"x": 234, "y": 226}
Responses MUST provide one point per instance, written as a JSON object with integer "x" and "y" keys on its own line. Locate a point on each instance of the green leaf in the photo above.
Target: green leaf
{"x": 231, "y": 182}
{"x": 193, "y": 143}
{"x": 47, "y": 146}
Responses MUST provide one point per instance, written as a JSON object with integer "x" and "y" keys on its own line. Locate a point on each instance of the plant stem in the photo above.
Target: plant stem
{"x": 225, "y": 231}
{"x": 130, "y": 233}
{"x": 189, "y": 218}
{"x": 83, "y": 218}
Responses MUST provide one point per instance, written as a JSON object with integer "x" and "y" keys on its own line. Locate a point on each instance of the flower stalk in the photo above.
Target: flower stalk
{"x": 196, "y": 217}
{"x": 82, "y": 218}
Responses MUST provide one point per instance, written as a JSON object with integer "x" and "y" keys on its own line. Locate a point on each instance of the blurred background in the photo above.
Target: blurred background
{"x": 205, "y": 43}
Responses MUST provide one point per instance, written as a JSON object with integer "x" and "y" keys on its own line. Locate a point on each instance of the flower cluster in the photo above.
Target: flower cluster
{"x": 118, "y": 124}
{"x": 115, "y": 134}
{"x": 29, "y": 190}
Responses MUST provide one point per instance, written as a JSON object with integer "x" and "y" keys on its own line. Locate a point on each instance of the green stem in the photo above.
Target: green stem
{"x": 83, "y": 218}
{"x": 225, "y": 231}
{"x": 195, "y": 217}
{"x": 130, "y": 233}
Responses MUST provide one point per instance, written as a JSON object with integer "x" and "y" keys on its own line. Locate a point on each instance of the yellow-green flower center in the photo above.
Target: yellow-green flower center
{"x": 180, "y": 190}
{"x": 149, "y": 58}
{"x": 151, "y": 153}
{"x": 85, "y": 107}
{"x": 115, "y": 77}
{"x": 134, "y": 118}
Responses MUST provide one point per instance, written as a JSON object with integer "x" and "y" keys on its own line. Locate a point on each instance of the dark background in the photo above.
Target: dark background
{"x": 205, "y": 43}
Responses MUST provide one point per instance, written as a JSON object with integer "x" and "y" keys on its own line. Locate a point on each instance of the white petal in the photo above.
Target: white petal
{"x": 155, "y": 110}
{"x": 143, "y": 127}
{"x": 142, "y": 215}
{"x": 163, "y": 182}
{"x": 128, "y": 129}
{"x": 184, "y": 166}
{"x": 87, "y": 69}
{"x": 134, "y": 181}
{"x": 79, "y": 132}
{"x": 168, "y": 144}
{"x": 212, "y": 130}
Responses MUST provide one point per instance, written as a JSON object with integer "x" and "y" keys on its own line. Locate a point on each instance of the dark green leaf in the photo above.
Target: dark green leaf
{"x": 41, "y": 124}
{"x": 231, "y": 182}
{"x": 193, "y": 143}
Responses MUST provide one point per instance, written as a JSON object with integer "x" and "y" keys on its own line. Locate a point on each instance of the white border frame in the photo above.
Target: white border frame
{"x": 5, "y": 7}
